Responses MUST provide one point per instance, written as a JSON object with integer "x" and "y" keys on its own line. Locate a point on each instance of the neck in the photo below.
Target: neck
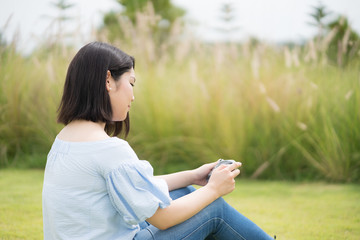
{"x": 83, "y": 130}
{"x": 87, "y": 123}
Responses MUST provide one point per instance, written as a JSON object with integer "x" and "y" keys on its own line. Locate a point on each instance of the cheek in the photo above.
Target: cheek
{"x": 130, "y": 88}
{"x": 128, "y": 93}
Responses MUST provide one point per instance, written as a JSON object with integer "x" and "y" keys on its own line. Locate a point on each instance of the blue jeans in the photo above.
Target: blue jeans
{"x": 217, "y": 221}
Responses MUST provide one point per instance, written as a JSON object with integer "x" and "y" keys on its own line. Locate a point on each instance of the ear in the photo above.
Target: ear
{"x": 108, "y": 81}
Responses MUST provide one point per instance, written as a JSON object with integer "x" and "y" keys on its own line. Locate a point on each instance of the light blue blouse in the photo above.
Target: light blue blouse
{"x": 98, "y": 190}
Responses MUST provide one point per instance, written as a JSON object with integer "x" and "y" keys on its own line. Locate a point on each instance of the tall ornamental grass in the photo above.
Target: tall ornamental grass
{"x": 30, "y": 89}
{"x": 285, "y": 113}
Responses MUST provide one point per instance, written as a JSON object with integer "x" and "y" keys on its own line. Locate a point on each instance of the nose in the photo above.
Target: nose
{"x": 133, "y": 98}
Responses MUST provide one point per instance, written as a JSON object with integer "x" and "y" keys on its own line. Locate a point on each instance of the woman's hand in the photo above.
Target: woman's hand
{"x": 222, "y": 178}
{"x": 220, "y": 183}
{"x": 201, "y": 173}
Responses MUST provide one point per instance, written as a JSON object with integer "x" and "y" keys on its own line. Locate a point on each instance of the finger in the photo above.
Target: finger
{"x": 233, "y": 166}
{"x": 220, "y": 167}
{"x": 213, "y": 164}
{"x": 235, "y": 173}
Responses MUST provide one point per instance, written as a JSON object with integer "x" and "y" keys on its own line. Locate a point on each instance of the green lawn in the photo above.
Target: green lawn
{"x": 289, "y": 210}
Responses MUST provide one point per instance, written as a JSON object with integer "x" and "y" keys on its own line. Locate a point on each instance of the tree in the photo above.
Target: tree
{"x": 319, "y": 14}
{"x": 56, "y": 37}
{"x": 167, "y": 15}
{"x": 62, "y": 8}
{"x": 345, "y": 44}
{"x": 336, "y": 40}
{"x": 163, "y": 8}
{"x": 228, "y": 19}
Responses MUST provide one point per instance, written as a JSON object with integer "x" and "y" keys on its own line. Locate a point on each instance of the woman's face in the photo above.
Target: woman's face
{"x": 121, "y": 94}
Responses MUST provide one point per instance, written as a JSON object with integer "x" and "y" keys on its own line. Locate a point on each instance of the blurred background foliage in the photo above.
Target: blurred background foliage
{"x": 287, "y": 111}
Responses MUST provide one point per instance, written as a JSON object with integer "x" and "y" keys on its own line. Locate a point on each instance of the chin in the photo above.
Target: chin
{"x": 119, "y": 118}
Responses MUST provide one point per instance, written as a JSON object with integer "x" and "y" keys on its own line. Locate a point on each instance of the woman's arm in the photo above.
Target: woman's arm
{"x": 220, "y": 183}
{"x": 189, "y": 177}
{"x": 179, "y": 179}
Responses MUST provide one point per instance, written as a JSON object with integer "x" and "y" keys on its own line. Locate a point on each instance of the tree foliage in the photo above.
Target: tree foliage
{"x": 166, "y": 13}
{"x": 163, "y": 8}
{"x": 336, "y": 39}
{"x": 345, "y": 45}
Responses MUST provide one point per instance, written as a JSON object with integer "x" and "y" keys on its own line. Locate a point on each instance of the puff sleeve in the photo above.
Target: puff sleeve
{"x": 135, "y": 193}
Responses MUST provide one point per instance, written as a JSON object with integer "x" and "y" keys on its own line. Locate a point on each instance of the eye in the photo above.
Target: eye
{"x": 132, "y": 85}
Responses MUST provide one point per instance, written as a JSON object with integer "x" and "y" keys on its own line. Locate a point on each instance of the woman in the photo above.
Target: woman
{"x": 95, "y": 187}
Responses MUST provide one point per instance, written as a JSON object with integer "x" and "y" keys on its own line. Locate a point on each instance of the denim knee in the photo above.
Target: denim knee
{"x": 217, "y": 206}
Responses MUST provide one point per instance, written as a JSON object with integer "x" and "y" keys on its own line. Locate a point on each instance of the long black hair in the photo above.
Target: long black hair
{"x": 85, "y": 96}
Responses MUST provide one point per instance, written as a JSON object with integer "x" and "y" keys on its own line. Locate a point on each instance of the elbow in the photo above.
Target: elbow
{"x": 162, "y": 219}
{"x": 162, "y": 226}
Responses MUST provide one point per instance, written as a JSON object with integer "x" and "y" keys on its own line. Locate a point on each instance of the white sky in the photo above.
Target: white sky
{"x": 271, "y": 20}
{"x": 274, "y": 20}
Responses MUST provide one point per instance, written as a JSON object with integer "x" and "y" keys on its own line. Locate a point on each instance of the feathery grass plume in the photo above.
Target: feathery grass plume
{"x": 309, "y": 103}
{"x": 262, "y": 88}
{"x": 295, "y": 57}
{"x": 301, "y": 125}
{"x": 349, "y": 94}
{"x": 245, "y": 47}
{"x": 342, "y": 47}
{"x": 144, "y": 22}
{"x": 310, "y": 52}
{"x": 219, "y": 58}
{"x": 260, "y": 170}
{"x": 314, "y": 85}
{"x": 287, "y": 56}
{"x": 233, "y": 51}
{"x": 255, "y": 63}
{"x": 345, "y": 40}
{"x": 183, "y": 47}
{"x": 327, "y": 39}
{"x": 274, "y": 106}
